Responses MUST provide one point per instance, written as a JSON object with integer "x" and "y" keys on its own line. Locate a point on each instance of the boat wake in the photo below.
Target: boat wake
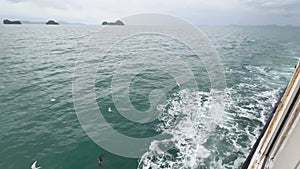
{"x": 197, "y": 141}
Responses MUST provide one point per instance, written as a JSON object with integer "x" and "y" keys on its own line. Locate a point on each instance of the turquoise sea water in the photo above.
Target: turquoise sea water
{"x": 38, "y": 120}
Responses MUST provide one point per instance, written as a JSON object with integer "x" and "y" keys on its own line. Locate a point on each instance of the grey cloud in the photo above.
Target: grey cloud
{"x": 271, "y": 4}
{"x": 16, "y": 1}
{"x": 281, "y": 8}
{"x": 57, "y": 4}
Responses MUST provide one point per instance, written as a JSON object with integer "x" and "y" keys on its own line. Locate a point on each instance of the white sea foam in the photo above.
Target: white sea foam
{"x": 195, "y": 145}
{"x": 186, "y": 118}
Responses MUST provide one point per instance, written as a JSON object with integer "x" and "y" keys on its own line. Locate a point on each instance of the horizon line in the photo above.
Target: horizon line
{"x": 37, "y": 22}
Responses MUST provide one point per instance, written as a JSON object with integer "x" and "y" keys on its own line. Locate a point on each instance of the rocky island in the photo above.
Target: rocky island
{"x": 6, "y": 21}
{"x": 118, "y": 22}
{"x": 52, "y": 22}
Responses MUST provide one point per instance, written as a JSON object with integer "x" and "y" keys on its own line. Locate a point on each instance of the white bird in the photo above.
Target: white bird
{"x": 33, "y": 166}
{"x": 52, "y": 100}
{"x": 109, "y": 109}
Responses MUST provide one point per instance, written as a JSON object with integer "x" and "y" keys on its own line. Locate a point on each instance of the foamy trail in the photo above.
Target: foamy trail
{"x": 197, "y": 142}
{"x": 188, "y": 120}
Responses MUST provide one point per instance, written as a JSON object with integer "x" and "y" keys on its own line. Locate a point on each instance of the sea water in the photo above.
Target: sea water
{"x": 38, "y": 120}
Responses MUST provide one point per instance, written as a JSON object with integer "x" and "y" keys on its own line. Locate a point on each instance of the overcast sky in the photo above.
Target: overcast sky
{"x": 209, "y": 12}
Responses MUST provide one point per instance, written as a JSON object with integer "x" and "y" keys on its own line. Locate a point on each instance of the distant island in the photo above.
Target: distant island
{"x": 52, "y": 22}
{"x": 6, "y": 21}
{"x": 118, "y": 22}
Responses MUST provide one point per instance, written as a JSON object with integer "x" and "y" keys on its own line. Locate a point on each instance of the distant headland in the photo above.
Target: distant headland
{"x": 6, "y": 21}
{"x": 118, "y": 22}
{"x": 52, "y": 22}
